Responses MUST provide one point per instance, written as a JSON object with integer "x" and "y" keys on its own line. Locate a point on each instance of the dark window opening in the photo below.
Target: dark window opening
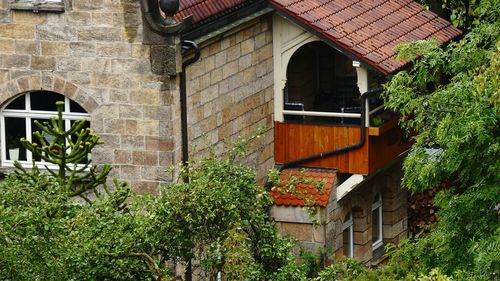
{"x": 15, "y": 129}
{"x": 321, "y": 79}
{"x": 45, "y": 101}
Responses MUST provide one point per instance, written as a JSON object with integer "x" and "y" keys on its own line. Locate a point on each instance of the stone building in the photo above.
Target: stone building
{"x": 158, "y": 87}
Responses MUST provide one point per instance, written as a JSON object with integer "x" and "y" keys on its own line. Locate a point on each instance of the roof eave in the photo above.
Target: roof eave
{"x": 213, "y": 23}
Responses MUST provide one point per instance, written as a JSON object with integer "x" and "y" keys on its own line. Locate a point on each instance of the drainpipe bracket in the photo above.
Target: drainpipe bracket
{"x": 160, "y": 33}
{"x": 166, "y": 58}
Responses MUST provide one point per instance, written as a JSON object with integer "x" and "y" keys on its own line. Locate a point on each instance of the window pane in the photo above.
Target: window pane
{"x": 15, "y": 129}
{"x": 75, "y": 137}
{"x": 45, "y": 100}
{"x": 34, "y": 128}
{"x": 18, "y": 103}
{"x": 376, "y": 224}
{"x": 75, "y": 107}
{"x": 347, "y": 242}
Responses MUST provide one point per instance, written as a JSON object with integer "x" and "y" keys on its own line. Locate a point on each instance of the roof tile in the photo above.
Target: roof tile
{"x": 204, "y": 9}
{"x": 370, "y": 29}
{"x": 304, "y": 193}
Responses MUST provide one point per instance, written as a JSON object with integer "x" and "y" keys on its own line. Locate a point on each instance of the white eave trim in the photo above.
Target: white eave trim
{"x": 349, "y": 185}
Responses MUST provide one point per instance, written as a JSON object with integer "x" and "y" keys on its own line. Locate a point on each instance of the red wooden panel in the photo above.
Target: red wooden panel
{"x": 295, "y": 141}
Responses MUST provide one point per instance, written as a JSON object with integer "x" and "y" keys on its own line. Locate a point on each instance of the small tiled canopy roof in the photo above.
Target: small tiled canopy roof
{"x": 304, "y": 193}
{"x": 370, "y": 29}
{"x": 367, "y": 29}
{"x": 204, "y": 9}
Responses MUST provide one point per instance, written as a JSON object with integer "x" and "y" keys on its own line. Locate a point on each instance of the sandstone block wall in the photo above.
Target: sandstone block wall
{"x": 92, "y": 53}
{"x": 394, "y": 207}
{"x": 230, "y": 93}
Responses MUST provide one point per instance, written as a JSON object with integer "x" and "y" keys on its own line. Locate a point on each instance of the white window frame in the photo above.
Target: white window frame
{"x": 28, "y": 115}
{"x": 377, "y": 207}
{"x": 349, "y": 225}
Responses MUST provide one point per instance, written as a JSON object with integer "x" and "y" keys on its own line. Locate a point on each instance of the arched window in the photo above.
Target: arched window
{"x": 348, "y": 235}
{"x": 377, "y": 223}
{"x": 17, "y": 121}
{"x": 321, "y": 80}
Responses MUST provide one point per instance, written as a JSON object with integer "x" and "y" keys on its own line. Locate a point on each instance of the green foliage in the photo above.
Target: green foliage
{"x": 220, "y": 206}
{"x": 69, "y": 150}
{"x": 449, "y": 101}
{"x": 219, "y": 219}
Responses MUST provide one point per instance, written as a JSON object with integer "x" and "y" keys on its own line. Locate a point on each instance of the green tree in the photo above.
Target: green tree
{"x": 449, "y": 100}
{"x": 69, "y": 150}
{"x": 219, "y": 219}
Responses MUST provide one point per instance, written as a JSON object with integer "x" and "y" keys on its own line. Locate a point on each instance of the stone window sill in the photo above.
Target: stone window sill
{"x": 43, "y": 7}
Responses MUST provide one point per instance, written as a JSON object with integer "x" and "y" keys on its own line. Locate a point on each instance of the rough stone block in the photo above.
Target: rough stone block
{"x": 99, "y": 34}
{"x": 80, "y": 78}
{"x": 140, "y": 51}
{"x": 114, "y": 126}
{"x": 78, "y": 18}
{"x": 26, "y": 17}
{"x": 68, "y": 64}
{"x": 88, "y": 5}
{"x": 130, "y": 66}
{"x": 14, "y": 61}
{"x": 229, "y": 69}
{"x": 5, "y": 16}
{"x": 56, "y": 32}
{"x": 110, "y": 141}
{"x": 122, "y": 157}
{"x": 50, "y": 48}
{"x": 82, "y": 49}
{"x": 302, "y": 232}
{"x": 220, "y": 59}
{"x": 130, "y": 172}
{"x": 148, "y": 158}
{"x": 233, "y": 52}
{"x": 154, "y": 173}
{"x": 4, "y": 76}
{"x": 247, "y": 46}
{"x": 245, "y": 62}
{"x": 131, "y": 112}
{"x": 103, "y": 19}
{"x": 97, "y": 65}
{"x": 119, "y": 50}
{"x": 43, "y": 63}
{"x": 17, "y": 31}
{"x": 132, "y": 142}
{"x": 102, "y": 155}
{"x": 7, "y": 46}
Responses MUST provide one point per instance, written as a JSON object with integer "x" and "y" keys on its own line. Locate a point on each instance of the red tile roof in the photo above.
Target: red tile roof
{"x": 303, "y": 193}
{"x": 370, "y": 29}
{"x": 204, "y": 9}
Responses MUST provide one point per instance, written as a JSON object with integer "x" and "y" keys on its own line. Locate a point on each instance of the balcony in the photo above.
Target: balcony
{"x": 296, "y": 140}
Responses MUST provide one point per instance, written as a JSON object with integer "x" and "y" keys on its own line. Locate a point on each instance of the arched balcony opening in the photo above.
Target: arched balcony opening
{"x": 321, "y": 86}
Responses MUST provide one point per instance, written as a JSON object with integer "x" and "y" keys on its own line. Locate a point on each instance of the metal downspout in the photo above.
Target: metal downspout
{"x": 186, "y": 46}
